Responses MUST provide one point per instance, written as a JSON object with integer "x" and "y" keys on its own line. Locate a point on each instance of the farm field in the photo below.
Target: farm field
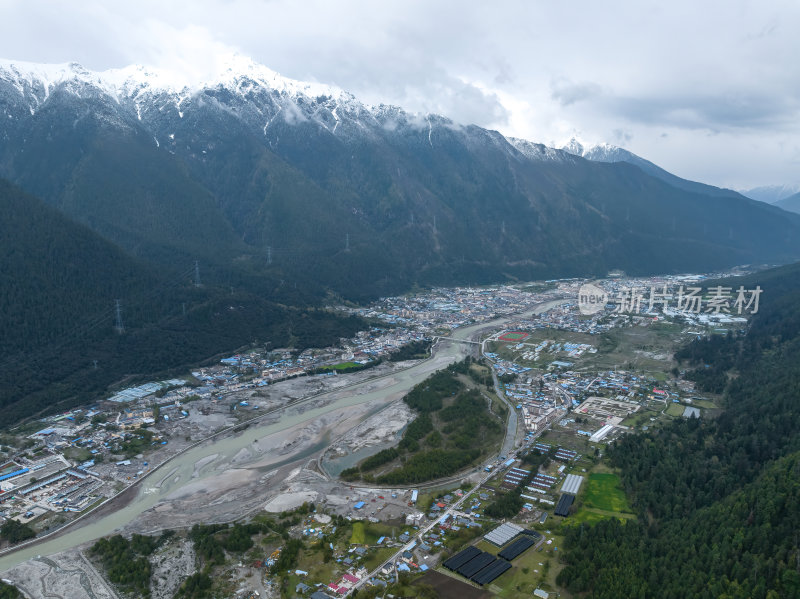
{"x": 604, "y": 493}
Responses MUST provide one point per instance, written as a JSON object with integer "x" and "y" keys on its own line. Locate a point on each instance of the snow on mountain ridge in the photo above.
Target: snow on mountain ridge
{"x": 771, "y": 193}
{"x": 537, "y": 151}
{"x": 233, "y": 71}
{"x": 153, "y": 95}
{"x": 600, "y": 152}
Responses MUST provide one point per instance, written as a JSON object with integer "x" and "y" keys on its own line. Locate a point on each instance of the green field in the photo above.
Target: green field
{"x": 642, "y": 417}
{"x": 603, "y": 492}
{"x": 675, "y": 409}
{"x": 359, "y": 536}
{"x": 513, "y": 336}
{"x": 706, "y": 404}
{"x": 342, "y": 366}
{"x": 368, "y": 533}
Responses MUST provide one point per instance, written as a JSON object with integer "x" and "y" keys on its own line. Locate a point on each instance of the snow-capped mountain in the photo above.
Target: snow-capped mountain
{"x": 771, "y": 193}
{"x": 253, "y": 93}
{"x": 257, "y": 96}
{"x": 226, "y": 164}
{"x": 604, "y": 152}
{"x": 536, "y": 151}
{"x": 34, "y": 81}
{"x": 262, "y": 99}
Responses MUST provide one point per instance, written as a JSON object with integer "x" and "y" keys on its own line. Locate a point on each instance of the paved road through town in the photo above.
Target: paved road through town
{"x": 182, "y": 467}
{"x": 448, "y": 513}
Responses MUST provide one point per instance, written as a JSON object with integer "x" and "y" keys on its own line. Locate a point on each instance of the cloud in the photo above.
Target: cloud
{"x": 624, "y": 71}
{"x": 567, "y": 92}
{"x": 622, "y": 137}
{"x": 729, "y": 111}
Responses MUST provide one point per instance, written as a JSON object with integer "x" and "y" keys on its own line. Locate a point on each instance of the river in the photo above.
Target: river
{"x": 183, "y": 468}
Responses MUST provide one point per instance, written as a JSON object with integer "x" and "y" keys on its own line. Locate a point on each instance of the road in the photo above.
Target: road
{"x": 512, "y": 425}
{"x": 508, "y": 445}
{"x": 449, "y": 513}
{"x": 226, "y": 444}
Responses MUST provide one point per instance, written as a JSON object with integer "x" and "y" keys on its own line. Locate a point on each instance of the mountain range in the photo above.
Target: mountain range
{"x": 59, "y": 286}
{"x": 771, "y": 194}
{"x": 290, "y": 193}
{"x": 790, "y": 203}
{"x": 253, "y": 172}
{"x": 608, "y": 153}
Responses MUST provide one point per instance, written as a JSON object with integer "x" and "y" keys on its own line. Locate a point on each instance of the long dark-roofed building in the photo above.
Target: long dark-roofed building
{"x": 461, "y": 558}
{"x": 562, "y": 509}
{"x": 490, "y": 572}
{"x": 475, "y": 565}
{"x": 517, "y": 548}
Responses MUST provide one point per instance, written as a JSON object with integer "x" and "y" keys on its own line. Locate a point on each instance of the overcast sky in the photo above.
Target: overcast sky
{"x": 708, "y": 90}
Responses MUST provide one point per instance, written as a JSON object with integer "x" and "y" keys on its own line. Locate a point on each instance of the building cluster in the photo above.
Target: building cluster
{"x": 445, "y": 309}
{"x": 50, "y": 483}
{"x": 259, "y": 368}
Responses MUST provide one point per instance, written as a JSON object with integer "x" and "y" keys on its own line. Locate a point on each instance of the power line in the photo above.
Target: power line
{"x": 89, "y": 324}
{"x": 118, "y": 326}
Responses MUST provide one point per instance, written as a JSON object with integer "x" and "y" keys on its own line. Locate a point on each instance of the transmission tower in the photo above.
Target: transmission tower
{"x": 347, "y": 242}
{"x": 196, "y": 273}
{"x": 118, "y": 317}
{"x": 269, "y": 255}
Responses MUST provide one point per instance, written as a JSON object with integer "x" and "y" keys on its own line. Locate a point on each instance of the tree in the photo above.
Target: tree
{"x": 15, "y": 532}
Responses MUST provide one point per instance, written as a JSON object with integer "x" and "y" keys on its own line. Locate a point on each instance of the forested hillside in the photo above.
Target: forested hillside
{"x": 264, "y": 181}
{"x": 59, "y": 282}
{"x": 454, "y": 427}
{"x": 718, "y": 500}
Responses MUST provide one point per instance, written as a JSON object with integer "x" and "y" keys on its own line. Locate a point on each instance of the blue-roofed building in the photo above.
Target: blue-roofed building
{"x": 359, "y": 505}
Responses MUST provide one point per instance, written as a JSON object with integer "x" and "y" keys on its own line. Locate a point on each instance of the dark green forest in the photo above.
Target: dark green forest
{"x": 8, "y": 591}
{"x": 15, "y": 532}
{"x": 509, "y": 504}
{"x": 58, "y": 286}
{"x": 718, "y": 499}
{"x": 454, "y": 428}
{"x": 126, "y": 561}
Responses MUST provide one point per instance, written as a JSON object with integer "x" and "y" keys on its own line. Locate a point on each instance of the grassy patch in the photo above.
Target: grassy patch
{"x": 342, "y": 366}
{"x": 590, "y": 516}
{"x": 359, "y": 535}
{"x": 368, "y": 533}
{"x": 424, "y": 502}
{"x": 676, "y": 409}
{"x": 526, "y": 573}
{"x": 318, "y": 570}
{"x": 640, "y": 418}
{"x": 604, "y": 493}
{"x": 704, "y": 403}
{"x": 379, "y": 556}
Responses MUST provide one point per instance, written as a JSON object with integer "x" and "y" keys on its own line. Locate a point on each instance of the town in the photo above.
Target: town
{"x": 575, "y": 382}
